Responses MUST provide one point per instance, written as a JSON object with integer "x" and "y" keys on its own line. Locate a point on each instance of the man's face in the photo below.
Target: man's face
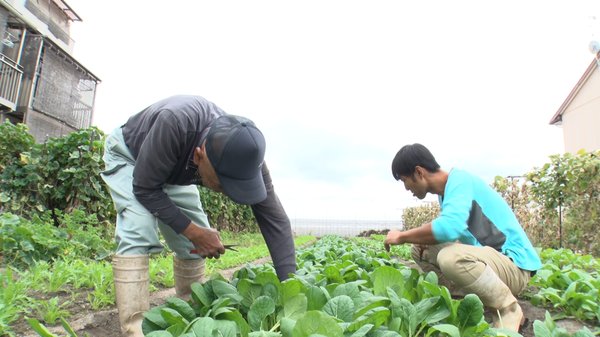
{"x": 415, "y": 183}
{"x": 207, "y": 173}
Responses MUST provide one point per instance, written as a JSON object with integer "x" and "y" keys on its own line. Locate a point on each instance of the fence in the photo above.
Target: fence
{"x": 342, "y": 227}
{"x": 10, "y": 80}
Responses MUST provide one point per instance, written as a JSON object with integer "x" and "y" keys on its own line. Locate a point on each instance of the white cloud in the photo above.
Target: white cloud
{"x": 339, "y": 86}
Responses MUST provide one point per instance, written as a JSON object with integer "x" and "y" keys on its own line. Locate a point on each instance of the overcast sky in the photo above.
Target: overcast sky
{"x": 337, "y": 87}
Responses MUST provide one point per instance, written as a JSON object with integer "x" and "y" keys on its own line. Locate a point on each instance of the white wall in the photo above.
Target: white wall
{"x": 581, "y": 120}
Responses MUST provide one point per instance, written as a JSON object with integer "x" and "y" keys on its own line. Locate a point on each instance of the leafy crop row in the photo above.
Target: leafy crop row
{"x": 342, "y": 286}
{"x": 570, "y": 283}
{"x": 340, "y": 289}
{"x": 47, "y": 290}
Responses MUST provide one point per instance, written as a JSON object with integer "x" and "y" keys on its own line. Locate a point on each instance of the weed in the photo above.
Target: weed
{"x": 161, "y": 270}
{"x": 13, "y": 300}
{"x": 37, "y": 276}
{"x": 80, "y": 271}
{"x": 51, "y": 310}
{"x": 59, "y": 276}
{"x": 101, "y": 278}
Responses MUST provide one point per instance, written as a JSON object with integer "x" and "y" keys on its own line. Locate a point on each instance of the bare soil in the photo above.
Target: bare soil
{"x": 105, "y": 323}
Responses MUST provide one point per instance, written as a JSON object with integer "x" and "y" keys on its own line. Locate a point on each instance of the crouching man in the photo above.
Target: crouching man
{"x": 476, "y": 242}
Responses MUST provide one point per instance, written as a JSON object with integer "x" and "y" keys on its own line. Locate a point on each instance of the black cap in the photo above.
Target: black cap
{"x": 236, "y": 150}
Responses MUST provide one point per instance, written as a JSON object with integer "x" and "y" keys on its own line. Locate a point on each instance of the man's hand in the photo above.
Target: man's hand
{"x": 394, "y": 237}
{"x": 206, "y": 240}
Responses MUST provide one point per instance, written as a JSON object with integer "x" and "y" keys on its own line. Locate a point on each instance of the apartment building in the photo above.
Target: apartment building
{"x": 41, "y": 83}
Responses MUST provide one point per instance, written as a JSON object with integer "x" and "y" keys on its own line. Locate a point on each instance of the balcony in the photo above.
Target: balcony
{"x": 10, "y": 82}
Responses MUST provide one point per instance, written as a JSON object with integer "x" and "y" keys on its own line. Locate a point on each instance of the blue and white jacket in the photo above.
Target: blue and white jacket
{"x": 475, "y": 214}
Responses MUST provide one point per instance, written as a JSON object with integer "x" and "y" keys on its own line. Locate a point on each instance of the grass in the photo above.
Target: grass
{"x": 37, "y": 292}
{"x": 46, "y": 289}
{"x": 376, "y": 241}
{"x": 161, "y": 272}
{"x": 252, "y": 247}
{"x": 51, "y": 310}
{"x": 13, "y": 299}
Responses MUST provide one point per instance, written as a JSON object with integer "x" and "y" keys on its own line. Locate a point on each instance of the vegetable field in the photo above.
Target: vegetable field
{"x": 342, "y": 288}
{"x": 352, "y": 287}
{"x": 56, "y": 234}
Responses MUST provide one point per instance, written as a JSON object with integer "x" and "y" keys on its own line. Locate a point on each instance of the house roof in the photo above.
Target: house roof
{"x": 69, "y": 58}
{"x": 69, "y": 12}
{"x": 557, "y": 118}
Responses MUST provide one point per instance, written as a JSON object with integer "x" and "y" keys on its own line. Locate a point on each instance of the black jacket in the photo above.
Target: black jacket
{"x": 162, "y": 139}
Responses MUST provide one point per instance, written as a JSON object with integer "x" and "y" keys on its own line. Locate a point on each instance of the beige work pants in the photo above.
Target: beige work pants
{"x": 463, "y": 264}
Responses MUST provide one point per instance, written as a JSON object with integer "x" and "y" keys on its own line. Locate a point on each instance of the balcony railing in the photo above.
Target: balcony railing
{"x": 10, "y": 82}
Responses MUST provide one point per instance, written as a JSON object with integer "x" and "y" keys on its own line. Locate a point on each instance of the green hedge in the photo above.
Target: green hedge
{"x": 63, "y": 175}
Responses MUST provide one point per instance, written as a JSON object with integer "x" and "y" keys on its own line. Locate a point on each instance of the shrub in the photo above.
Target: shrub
{"x": 14, "y": 140}
{"x": 25, "y": 242}
{"x": 224, "y": 214}
{"x": 540, "y": 225}
{"x": 570, "y": 186}
{"x": 413, "y": 217}
{"x": 61, "y": 174}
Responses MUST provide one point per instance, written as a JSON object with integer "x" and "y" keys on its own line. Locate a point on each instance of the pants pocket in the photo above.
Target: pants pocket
{"x": 112, "y": 170}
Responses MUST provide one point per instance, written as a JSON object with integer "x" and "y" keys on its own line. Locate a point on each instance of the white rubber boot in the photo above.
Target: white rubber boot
{"x": 130, "y": 274}
{"x": 496, "y": 295}
{"x": 185, "y": 273}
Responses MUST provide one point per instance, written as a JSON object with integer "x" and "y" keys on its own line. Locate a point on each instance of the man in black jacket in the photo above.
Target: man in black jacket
{"x": 153, "y": 164}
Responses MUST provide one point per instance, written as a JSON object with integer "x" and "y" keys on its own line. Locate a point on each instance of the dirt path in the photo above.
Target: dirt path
{"x": 105, "y": 323}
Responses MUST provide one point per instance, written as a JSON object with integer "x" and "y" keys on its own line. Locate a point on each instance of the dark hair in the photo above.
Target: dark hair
{"x": 411, "y": 156}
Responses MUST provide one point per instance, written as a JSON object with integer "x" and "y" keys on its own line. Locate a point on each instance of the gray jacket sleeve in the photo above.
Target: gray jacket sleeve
{"x": 276, "y": 229}
{"x": 154, "y": 164}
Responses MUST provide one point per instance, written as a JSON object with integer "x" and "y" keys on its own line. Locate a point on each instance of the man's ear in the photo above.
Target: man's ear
{"x": 199, "y": 153}
{"x": 420, "y": 171}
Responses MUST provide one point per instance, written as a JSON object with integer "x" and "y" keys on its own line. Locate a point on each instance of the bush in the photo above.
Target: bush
{"x": 14, "y": 140}
{"x": 413, "y": 217}
{"x": 540, "y": 225}
{"x": 25, "y": 242}
{"x": 61, "y": 174}
{"x": 224, "y": 214}
{"x": 569, "y": 187}
{"x": 70, "y": 167}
